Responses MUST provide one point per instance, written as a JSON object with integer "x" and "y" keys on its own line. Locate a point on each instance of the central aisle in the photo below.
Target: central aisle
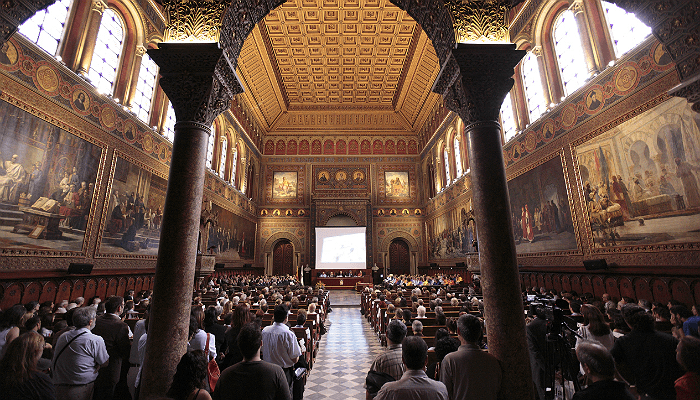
{"x": 345, "y": 353}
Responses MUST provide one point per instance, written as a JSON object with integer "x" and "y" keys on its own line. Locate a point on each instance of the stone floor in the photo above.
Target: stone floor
{"x": 345, "y": 352}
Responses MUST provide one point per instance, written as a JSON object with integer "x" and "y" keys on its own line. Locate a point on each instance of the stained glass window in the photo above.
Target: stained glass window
{"x": 45, "y": 28}
{"x": 210, "y": 146}
{"x": 458, "y": 156}
{"x": 534, "y": 92}
{"x": 508, "y": 119}
{"x": 446, "y": 158}
{"x": 569, "y": 51}
{"x": 626, "y": 30}
{"x": 145, "y": 88}
{"x": 222, "y": 161}
{"x": 169, "y": 125}
{"x": 108, "y": 48}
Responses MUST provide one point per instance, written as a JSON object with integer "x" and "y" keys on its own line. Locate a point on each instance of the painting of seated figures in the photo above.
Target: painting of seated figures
{"x": 47, "y": 183}
{"x": 639, "y": 180}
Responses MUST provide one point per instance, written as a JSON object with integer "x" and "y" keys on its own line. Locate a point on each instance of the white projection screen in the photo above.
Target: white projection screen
{"x": 341, "y": 247}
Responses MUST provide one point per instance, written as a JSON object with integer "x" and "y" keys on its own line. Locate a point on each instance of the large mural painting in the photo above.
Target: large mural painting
{"x": 540, "y": 210}
{"x": 232, "y": 236}
{"x": 452, "y": 235}
{"x": 134, "y": 212}
{"x": 47, "y": 183}
{"x": 640, "y": 180}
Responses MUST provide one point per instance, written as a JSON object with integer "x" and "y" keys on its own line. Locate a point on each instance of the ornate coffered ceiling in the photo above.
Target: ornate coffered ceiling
{"x": 338, "y": 65}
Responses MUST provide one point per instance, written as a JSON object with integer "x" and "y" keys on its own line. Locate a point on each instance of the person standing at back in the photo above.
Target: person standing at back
{"x": 116, "y": 338}
{"x": 471, "y": 373}
{"x": 78, "y": 356}
{"x": 280, "y": 344}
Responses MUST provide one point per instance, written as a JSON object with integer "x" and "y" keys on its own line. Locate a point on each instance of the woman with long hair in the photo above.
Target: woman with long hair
{"x": 190, "y": 377}
{"x": 241, "y": 316}
{"x": 10, "y": 325}
{"x": 594, "y": 327}
{"x": 19, "y": 376}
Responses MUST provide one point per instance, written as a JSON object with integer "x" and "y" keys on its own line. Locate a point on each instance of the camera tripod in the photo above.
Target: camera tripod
{"x": 559, "y": 357}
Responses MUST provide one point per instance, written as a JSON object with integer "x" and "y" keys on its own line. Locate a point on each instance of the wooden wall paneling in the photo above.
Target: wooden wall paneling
{"x": 556, "y": 282}
{"x": 32, "y": 292}
{"x": 139, "y": 284}
{"x": 576, "y": 284}
{"x": 12, "y": 295}
{"x": 586, "y": 285}
{"x": 642, "y": 289}
{"x": 90, "y": 289}
{"x": 540, "y": 281}
{"x": 78, "y": 290}
{"x": 130, "y": 283}
{"x": 611, "y": 287}
{"x": 121, "y": 288}
{"x": 112, "y": 287}
{"x": 566, "y": 283}
{"x": 102, "y": 288}
{"x": 63, "y": 292}
{"x": 627, "y": 289}
{"x": 681, "y": 292}
{"x": 660, "y": 290}
{"x": 696, "y": 292}
{"x": 2, "y": 294}
{"x": 598, "y": 286}
{"x": 48, "y": 292}
{"x": 548, "y": 281}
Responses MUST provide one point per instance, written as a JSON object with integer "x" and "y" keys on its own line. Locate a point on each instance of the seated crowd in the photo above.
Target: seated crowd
{"x": 262, "y": 333}
{"x": 646, "y": 347}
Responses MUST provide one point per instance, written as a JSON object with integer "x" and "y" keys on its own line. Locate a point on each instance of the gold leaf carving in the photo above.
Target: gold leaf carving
{"x": 479, "y": 20}
{"x": 194, "y": 20}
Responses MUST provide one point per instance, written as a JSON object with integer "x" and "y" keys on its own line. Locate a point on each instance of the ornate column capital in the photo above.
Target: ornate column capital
{"x": 480, "y": 20}
{"x": 577, "y": 7}
{"x": 98, "y": 6}
{"x": 485, "y": 77}
{"x": 194, "y": 79}
{"x": 140, "y": 50}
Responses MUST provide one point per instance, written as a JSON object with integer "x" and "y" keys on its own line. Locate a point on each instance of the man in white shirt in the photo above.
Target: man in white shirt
{"x": 280, "y": 344}
{"x": 78, "y": 356}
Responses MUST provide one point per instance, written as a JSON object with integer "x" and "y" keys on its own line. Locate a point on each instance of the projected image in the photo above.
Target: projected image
{"x": 347, "y": 248}
{"x": 341, "y": 248}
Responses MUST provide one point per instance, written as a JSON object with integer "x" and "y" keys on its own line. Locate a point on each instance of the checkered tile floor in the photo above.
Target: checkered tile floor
{"x": 344, "y": 356}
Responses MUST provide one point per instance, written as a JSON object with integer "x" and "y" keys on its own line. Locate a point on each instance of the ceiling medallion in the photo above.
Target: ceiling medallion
{"x": 479, "y": 21}
{"x": 194, "y": 20}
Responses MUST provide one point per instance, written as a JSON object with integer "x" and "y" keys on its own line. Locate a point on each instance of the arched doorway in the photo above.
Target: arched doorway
{"x": 283, "y": 258}
{"x": 399, "y": 257}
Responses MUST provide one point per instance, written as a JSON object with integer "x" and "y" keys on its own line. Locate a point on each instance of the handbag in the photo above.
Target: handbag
{"x": 375, "y": 380}
{"x": 213, "y": 372}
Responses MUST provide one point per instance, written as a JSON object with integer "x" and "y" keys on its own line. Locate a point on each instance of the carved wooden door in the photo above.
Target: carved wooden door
{"x": 399, "y": 257}
{"x": 283, "y": 258}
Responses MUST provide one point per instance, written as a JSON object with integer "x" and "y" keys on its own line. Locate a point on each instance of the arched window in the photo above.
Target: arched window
{"x": 45, "y": 28}
{"x": 108, "y": 48}
{"x": 446, "y": 161}
{"x": 508, "y": 119}
{"x": 458, "y": 156}
{"x": 145, "y": 88}
{"x": 534, "y": 93}
{"x": 210, "y": 146}
{"x": 626, "y": 30}
{"x": 569, "y": 51}
{"x": 169, "y": 125}
{"x": 234, "y": 165}
{"x": 222, "y": 157}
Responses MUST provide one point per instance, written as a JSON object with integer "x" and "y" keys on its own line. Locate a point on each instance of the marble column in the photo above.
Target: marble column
{"x": 188, "y": 78}
{"x": 93, "y": 27}
{"x": 484, "y": 78}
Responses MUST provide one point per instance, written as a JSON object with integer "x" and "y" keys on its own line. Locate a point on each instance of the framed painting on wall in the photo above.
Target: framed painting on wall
{"x": 284, "y": 185}
{"x": 396, "y": 184}
{"x": 134, "y": 211}
{"x": 233, "y": 237}
{"x": 47, "y": 183}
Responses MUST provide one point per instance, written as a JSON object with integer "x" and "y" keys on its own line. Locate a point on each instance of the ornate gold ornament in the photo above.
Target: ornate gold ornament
{"x": 194, "y": 20}
{"x": 482, "y": 21}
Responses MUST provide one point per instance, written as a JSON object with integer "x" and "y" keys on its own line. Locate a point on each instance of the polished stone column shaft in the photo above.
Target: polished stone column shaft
{"x": 485, "y": 78}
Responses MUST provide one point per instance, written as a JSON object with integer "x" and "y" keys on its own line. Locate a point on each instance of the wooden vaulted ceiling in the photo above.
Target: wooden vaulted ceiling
{"x": 352, "y": 66}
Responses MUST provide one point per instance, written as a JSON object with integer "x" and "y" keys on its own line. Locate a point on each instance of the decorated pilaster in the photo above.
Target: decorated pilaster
{"x": 474, "y": 81}
{"x": 199, "y": 80}
{"x": 94, "y": 19}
